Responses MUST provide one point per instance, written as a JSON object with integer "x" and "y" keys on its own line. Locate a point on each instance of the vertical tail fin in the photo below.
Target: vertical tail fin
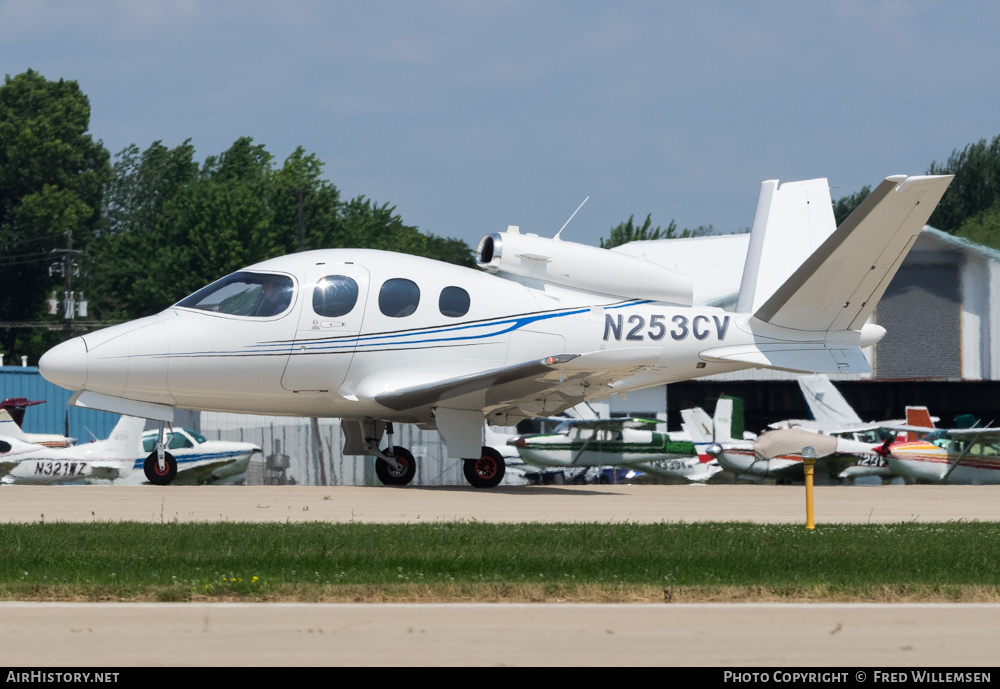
{"x": 825, "y": 401}
{"x": 918, "y": 416}
{"x": 723, "y": 420}
{"x": 125, "y": 440}
{"x": 791, "y": 222}
{"x": 697, "y": 424}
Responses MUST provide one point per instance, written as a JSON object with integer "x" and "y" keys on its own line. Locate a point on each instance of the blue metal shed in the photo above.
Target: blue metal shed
{"x": 55, "y": 416}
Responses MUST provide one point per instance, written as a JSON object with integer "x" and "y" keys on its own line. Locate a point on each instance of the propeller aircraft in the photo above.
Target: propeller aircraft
{"x": 378, "y": 338}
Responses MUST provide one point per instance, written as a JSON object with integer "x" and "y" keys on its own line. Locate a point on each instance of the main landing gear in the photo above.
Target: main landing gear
{"x": 487, "y": 471}
{"x": 396, "y": 466}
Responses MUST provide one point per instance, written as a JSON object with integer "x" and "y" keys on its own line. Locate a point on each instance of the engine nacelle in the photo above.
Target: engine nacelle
{"x": 582, "y": 267}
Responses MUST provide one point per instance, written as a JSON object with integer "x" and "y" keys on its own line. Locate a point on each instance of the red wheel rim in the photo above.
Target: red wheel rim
{"x": 486, "y": 467}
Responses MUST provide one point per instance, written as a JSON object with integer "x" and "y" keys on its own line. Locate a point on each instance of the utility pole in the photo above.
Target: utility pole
{"x": 69, "y": 307}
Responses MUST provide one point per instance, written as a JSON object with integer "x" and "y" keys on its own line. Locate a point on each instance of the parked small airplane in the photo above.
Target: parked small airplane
{"x": 122, "y": 456}
{"x": 833, "y": 415}
{"x": 778, "y": 454}
{"x": 199, "y": 460}
{"x": 378, "y": 338}
{"x": 23, "y": 462}
{"x": 11, "y": 429}
{"x": 945, "y": 455}
{"x": 581, "y": 443}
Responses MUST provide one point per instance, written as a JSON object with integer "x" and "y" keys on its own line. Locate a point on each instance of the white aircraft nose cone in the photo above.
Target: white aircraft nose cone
{"x": 66, "y": 364}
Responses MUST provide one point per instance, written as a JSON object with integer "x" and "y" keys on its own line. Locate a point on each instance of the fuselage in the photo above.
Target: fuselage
{"x": 585, "y": 447}
{"x": 357, "y": 323}
{"x": 928, "y": 461}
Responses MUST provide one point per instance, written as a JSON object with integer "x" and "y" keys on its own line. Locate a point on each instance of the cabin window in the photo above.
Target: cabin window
{"x": 258, "y": 295}
{"x": 398, "y": 298}
{"x": 4, "y": 447}
{"x": 454, "y": 302}
{"x": 335, "y": 296}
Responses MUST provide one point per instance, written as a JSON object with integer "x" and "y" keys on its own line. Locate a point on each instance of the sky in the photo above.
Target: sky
{"x": 469, "y": 116}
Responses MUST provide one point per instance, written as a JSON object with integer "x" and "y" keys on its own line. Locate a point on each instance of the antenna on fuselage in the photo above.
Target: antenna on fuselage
{"x": 570, "y": 218}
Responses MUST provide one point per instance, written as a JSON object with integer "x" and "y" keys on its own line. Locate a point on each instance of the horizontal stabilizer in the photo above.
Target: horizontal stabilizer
{"x": 797, "y": 358}
{"x": 839, "y": 285}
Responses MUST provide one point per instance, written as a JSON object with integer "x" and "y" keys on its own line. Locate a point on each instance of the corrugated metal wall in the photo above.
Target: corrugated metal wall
{"x": 323, "y": 463}
{"x": 55, "y": 415}
{"x": 922, "y": 314}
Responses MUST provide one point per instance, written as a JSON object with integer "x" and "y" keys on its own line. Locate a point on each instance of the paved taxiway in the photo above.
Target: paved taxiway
{"x": 39, "y": 634}
{"x": 547, "y": 504}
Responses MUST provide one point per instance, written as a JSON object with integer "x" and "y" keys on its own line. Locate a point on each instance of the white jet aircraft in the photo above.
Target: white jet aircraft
{"x": 378, "y": 338}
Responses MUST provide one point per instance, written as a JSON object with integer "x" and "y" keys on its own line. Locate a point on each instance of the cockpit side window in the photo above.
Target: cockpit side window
{"x": 258, "y": 295}
{"x": 398, "y": 297}
{"x": 335, "y": 296}
{"x": 454, "y": 302}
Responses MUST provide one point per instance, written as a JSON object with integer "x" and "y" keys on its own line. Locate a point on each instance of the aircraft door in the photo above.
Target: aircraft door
{"x": 333, "y": 309}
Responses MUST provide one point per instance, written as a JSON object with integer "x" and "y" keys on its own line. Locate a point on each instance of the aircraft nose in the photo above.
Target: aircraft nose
{"x": 66, "y": 364}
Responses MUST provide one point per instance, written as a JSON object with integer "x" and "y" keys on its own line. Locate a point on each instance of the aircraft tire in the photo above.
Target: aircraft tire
{"x": 487, "y": 471}
{"x": 392, "y": 477}
{"x": 151, "y": 467}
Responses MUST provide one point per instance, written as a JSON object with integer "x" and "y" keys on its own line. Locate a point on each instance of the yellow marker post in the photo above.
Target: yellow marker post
{"x": 809, "y": 463}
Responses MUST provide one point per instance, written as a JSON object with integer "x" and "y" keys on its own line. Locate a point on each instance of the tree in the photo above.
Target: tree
{"x": 52, "y": 179}
{"x": 627, "y": 232}
{"x": 975, "y": 189}
{"x": 173, "y": 226}
{"x": 846, "y": 204}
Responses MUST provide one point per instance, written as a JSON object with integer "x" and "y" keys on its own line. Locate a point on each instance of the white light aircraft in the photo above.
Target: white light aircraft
{"x": 122, "y": 456}
{"x": 10, "y": 429}
{"x": 102, "y": 460}
{"x": 945, "y": 455}
{"x": 379, "y": 338}
{"x": 199, "y": 461}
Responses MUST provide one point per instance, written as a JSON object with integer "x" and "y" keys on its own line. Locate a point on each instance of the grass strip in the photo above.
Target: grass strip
{"x": 471, "y": 561}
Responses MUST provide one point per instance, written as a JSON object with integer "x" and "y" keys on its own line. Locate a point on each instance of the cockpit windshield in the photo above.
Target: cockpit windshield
{"x": 258, "y": 295}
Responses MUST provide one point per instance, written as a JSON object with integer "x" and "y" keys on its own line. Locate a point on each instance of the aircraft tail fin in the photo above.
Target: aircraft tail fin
{"x": 791, "y": 222}
{"x": 825, "y": 401}
{"x": 723, "y": 421}
{"x": 918, "y": 416}
{"x": 838, "y": 286}
{"x": 125, "y": 440}
{"x": 697, "y": 424}
{"x": 9, "y": 427}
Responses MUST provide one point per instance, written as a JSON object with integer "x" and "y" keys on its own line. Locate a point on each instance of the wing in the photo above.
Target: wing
{"x": 533, "y": 388}
{"x": 609, "y": 424}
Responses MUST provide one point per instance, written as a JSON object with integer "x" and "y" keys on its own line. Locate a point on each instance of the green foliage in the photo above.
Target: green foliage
{"x": 173, "y": 227}
{"x": 52, "y": 180}
{"x": 627, "y": 232}
{"x": 983, "y": 228}
{"x": 975, "y": 189}
{"x": 846, "y": 205}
